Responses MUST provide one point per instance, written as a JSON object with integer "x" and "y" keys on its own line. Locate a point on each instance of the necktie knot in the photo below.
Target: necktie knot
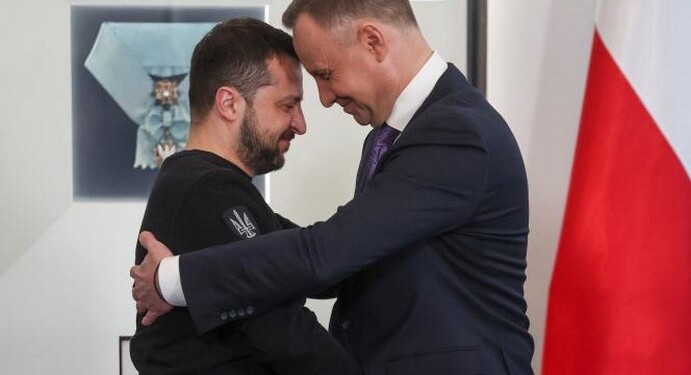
{"x": 383, "y": 139}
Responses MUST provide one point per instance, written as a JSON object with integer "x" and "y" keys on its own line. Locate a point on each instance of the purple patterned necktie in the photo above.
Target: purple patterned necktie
{"x": 383, "y": 139}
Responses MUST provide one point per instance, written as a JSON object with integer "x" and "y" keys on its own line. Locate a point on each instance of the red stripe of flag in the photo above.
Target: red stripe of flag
{"x": 620, "y": 299}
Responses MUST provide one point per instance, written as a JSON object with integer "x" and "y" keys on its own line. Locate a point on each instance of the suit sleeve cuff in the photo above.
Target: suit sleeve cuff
{"x": 169, "y": 281}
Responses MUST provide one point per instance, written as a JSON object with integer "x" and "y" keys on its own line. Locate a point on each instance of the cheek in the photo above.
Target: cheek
{"x": 350, "y": 88}
{"x": 363, "y": 85}
{"x": 363, "y": 81}
{"x": 268, "y": 120}
{"x": 278, "y": 124}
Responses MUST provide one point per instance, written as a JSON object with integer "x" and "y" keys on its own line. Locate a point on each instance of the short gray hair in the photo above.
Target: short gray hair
{"x": 333, "y": 13}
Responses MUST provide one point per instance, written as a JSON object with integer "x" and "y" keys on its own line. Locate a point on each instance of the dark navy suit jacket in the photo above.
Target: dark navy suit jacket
{"x": 429, "y": 257}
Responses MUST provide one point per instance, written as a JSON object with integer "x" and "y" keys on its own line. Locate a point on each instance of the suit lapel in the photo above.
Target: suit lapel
{"x": 451, "y": 81}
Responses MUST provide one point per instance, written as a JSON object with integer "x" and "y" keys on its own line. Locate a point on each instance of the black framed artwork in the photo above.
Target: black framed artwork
{"x": 129, "y": 99}
{"x": 126, "y": 366}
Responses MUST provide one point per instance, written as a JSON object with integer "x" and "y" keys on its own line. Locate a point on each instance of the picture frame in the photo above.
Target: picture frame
{"x": 126, "y": 366}
{"x": 108, "y": 141}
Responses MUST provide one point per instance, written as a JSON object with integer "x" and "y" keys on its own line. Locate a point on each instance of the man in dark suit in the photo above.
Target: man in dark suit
{"x": 428, "y": 260}
{"x": 245, "y": 94}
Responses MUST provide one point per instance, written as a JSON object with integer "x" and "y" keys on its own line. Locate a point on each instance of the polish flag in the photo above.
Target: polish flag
{"x": 620, "y": 298}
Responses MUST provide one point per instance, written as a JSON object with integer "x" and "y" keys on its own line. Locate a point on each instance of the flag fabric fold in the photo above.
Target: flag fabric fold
{"x": 620, "y": 298}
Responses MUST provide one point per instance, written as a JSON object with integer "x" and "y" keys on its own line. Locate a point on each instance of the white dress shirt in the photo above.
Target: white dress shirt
{"x": 404, "y": 108}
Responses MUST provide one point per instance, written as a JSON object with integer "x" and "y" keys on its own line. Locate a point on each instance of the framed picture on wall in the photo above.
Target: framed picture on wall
{"x": 129, "y": 92}
{"x": 126, "y": 365}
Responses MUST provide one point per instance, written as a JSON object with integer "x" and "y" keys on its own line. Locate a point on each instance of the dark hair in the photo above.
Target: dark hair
{"x": 234, "y": 53}
{"x": 330, "y": 13}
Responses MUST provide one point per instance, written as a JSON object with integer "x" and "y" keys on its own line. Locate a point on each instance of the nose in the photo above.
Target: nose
{"x": 326, "y": 96}
{"x": 298, "y": 124}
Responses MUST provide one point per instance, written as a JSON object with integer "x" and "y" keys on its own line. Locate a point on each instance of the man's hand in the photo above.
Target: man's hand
{"x": 144, "y": 291}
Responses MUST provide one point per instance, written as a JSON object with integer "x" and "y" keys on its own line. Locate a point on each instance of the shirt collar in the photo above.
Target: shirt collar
{"x": 416, "y": 92}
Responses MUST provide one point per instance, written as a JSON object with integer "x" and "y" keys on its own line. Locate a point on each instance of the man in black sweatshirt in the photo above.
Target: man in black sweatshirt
{"x": 245, "y": 95}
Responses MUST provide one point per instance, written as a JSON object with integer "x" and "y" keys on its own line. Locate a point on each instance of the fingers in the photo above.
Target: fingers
{"x": 148, "y": 301}
{"x": 150, "y": 318}
{"x": 146, "y": 238}
{"x": 155, "y": 248}
{"x": 140, "y": 307}
{"x": 137, "y": 276}
{"x": 137, "y": 292}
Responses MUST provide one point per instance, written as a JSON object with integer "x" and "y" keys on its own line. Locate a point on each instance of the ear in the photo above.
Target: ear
{"x": 229, "y": 103}
{"x": 372, "y": 38}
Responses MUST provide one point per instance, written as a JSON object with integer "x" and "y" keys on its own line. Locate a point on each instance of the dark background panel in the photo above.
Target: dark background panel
{"x": 104, "y": 138}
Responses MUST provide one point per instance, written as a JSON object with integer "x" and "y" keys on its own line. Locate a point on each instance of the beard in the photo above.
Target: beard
{"x": 257, "y": 152}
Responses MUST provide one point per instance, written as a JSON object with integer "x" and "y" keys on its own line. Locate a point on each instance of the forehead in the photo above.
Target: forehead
{"x": 285, "y": 69}
{"x": 286, "y": 77}
{"x": 315, "y": 45}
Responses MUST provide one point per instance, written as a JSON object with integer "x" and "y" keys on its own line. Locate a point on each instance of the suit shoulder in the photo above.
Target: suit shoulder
{"x": 460, "y": 117}
{"x": 456, "y": 107}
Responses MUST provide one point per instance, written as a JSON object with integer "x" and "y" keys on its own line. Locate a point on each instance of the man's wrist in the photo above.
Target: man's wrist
{"x": 157, "y": 285}
{"x": 168, "y": 281}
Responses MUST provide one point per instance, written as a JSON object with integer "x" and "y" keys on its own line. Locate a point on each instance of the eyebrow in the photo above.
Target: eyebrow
{"x": 318, "y": 71}
{"x": 291, "y": 99}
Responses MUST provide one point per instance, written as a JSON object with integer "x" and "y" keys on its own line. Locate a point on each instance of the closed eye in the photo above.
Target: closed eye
{"x": 289, "y": 104}
{"x": 324, "y": 75}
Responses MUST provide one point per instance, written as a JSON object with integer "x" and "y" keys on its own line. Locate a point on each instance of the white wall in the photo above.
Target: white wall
{"x": 66, "y": 299}
{"x": 35, "y": 149}
{"x": 538, "y": 57}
